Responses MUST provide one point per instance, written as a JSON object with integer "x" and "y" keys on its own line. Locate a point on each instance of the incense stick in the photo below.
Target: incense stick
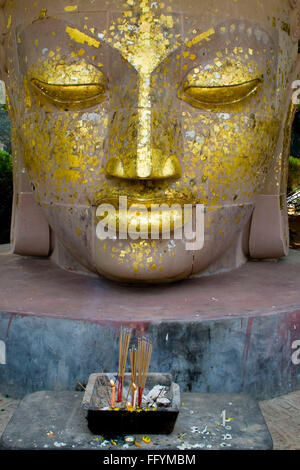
{"x": 143, "y": 358}
{"x": 133, "y": 367}
{"x": 81, "y": 385}
{"x": 125, "y": 336}
{"x": 104, "y": 390}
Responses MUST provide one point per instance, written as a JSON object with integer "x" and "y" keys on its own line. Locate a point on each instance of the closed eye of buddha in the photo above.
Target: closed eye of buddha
{"x": 81, "y": 95}
{"x": 199, "y": 96}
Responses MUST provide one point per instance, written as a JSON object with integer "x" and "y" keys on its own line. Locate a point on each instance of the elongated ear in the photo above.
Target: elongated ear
{"x": 269, "y": 234}
{"x": 295, "y": 19}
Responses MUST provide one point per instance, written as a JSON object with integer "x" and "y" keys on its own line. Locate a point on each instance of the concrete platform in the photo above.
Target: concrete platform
{"x": 57, "y": 421}
{"x": 232, "y": 332}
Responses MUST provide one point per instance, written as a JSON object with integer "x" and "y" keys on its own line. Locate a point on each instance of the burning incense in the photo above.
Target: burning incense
{"x": 125, "y": 336}
{"x": 113, "y": 394}
{"x": 143, "y": 359}
{"x": 129, "y": 406}
{"x": 134, "y": 394}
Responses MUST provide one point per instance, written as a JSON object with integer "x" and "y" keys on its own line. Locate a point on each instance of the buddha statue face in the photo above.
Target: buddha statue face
{"x": 169, "y": 101}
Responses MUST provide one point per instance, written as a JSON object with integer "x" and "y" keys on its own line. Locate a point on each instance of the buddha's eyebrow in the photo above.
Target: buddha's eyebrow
{"x": 249, "y": 30}
{"x": 74, "y": 34}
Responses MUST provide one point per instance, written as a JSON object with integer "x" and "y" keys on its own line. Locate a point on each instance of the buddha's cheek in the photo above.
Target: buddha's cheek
{"x": 229, "y": 163}
{"x": 75, "y": 229}
{"x": 223, "y": 230}
{"x": 63, "y": 159}
{"x": 229, "y": 181}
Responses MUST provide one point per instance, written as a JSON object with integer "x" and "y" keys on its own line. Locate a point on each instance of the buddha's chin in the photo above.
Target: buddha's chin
{"x": 143, "y": 261}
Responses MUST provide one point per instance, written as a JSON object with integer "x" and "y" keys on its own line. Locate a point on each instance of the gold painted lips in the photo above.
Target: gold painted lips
{"x": 144, "y": 215}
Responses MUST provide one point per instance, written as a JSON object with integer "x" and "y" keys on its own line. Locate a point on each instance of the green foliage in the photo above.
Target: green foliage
{"x": 6, "y": 193}
{"x": 294, "y": 174}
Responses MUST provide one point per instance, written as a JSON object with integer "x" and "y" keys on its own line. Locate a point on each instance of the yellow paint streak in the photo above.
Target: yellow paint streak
{"x": 9, "y": 21}
{"x": 81, "y": 38}
{"x": 201, "y": 37}
{"x": 71, "y": 8}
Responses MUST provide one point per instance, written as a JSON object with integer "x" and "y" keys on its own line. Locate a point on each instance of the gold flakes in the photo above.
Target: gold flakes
{"x": 81, "y": 38}
{"x": 167, "y": 21}
{"x": 9, "y": 21}
{"x": 70, "y": 8}
{"x": 206, "y": 35}
{"x": 43, "y": 14}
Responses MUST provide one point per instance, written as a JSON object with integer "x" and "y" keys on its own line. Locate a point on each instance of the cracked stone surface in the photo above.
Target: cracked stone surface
{"x": 57, "y": 420}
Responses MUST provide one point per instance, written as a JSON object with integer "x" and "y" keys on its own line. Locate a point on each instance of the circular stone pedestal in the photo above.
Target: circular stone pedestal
{"x": 229, "y": 333}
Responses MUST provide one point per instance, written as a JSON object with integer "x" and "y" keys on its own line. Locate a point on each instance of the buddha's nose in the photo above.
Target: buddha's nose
{"x": 157, "y": 167}
{"x": 143, "y": 145}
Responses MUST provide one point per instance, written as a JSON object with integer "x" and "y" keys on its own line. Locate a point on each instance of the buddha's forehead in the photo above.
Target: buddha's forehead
{"x": 146, "y": 31}
{"x": 202, "y": 11}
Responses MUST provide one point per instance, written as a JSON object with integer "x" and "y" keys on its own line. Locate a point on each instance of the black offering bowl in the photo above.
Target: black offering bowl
{"x": 120, "y": 421}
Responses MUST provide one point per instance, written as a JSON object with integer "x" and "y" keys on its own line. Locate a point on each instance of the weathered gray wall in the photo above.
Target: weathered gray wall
{"x": 251, "y": 355}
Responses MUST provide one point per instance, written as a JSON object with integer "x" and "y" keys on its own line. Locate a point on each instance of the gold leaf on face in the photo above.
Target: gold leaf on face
{"x": 220, "y": 95}
{"x": 81, "y": 38}
{"x": 70, "y": 93}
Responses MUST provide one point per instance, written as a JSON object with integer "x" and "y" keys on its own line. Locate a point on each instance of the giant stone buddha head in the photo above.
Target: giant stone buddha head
{"x": 172, "y": 101}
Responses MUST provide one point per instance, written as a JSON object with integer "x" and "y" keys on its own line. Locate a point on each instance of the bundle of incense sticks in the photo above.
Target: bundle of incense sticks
{"x": 133, "y": 367}
{"x": 143, "y": 358}
{"x": 125, "y": 336}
